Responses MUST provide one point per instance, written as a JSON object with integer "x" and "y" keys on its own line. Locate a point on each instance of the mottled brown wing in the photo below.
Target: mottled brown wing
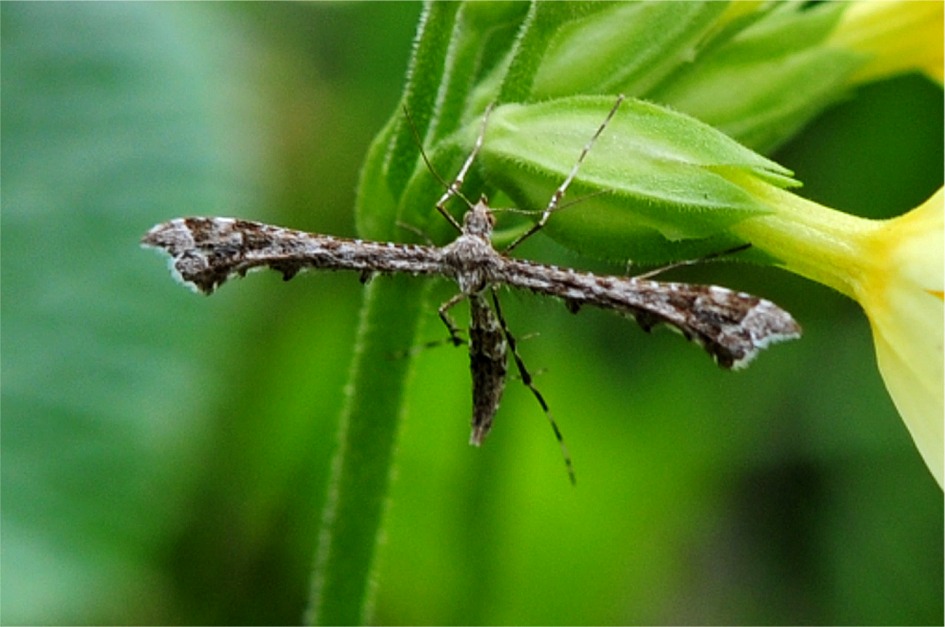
{"x": 733, "y": 327}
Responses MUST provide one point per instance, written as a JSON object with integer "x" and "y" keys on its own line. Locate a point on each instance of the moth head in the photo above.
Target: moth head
{"x": 479, "y": 220}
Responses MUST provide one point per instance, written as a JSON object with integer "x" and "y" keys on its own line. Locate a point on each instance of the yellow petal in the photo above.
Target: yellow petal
{"x": 899, "y": 35}
{"x": 903, "y": 300}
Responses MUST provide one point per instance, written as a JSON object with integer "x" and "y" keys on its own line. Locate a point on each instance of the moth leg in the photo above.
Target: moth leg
{"x": 455, "y": 339}
{"x": 559, "y": 193}
{"x": 692, "y": 262}
{"x": 527, "y": 382}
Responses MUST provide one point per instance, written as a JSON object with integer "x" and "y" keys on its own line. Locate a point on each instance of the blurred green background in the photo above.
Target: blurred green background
{"x": 164, "y": 455}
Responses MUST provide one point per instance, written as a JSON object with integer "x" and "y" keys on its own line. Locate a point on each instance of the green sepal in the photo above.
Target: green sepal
{"x": 762, "y": 85}
{"x": 627, "y": 47}
{"x": 655, "y": 177}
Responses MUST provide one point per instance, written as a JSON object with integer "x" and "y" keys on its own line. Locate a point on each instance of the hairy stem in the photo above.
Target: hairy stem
{"x": 361, "y": 471}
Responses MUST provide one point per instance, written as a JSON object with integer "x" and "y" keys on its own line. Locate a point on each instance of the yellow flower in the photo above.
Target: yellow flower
{"x": 894, "y": 269}
{"x": 899, "y": 35}
{"x": 905, "y": 309}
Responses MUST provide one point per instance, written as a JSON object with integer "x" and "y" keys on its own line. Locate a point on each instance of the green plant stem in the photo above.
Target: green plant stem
{"x": 361, "y": 471}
